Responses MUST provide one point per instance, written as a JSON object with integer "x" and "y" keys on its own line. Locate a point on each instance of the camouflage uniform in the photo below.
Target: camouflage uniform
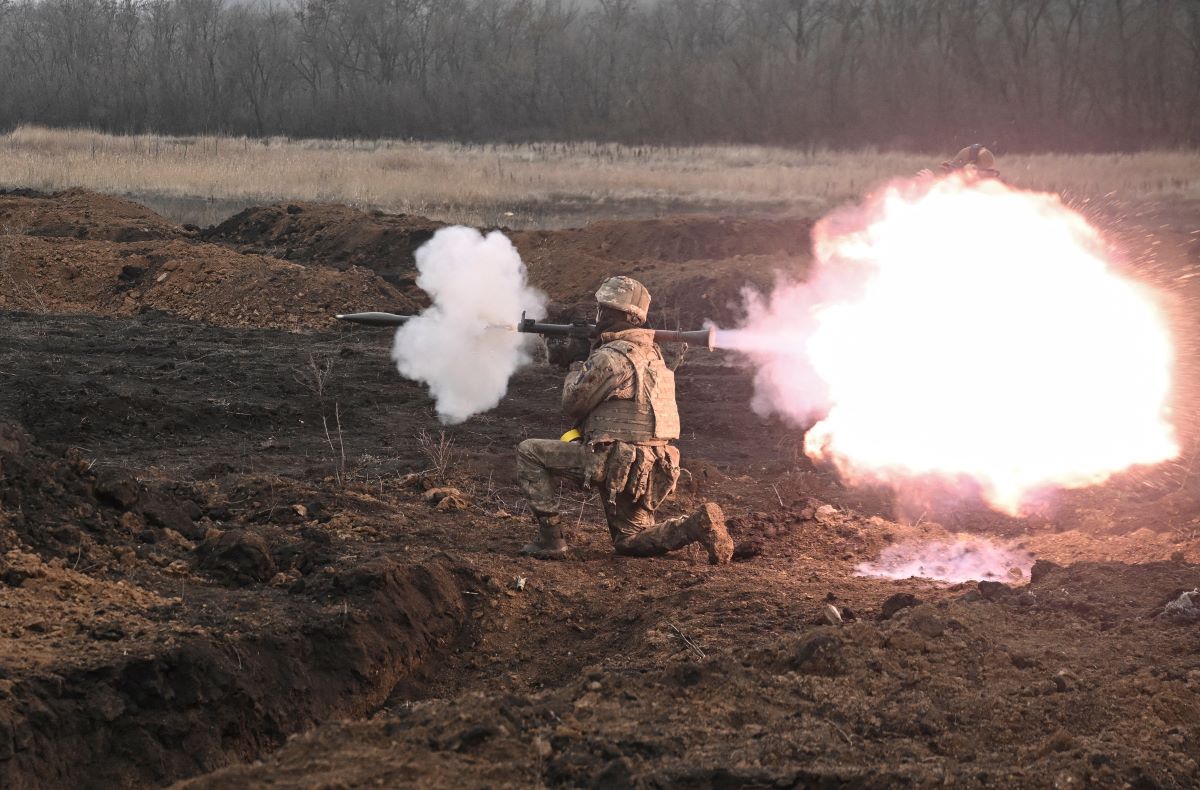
{"x": 623, "y": 399}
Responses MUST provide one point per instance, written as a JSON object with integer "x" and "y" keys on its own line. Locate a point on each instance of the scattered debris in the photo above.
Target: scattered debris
{"x": 1184, "y": 609}
{"x": 447, "y": 498}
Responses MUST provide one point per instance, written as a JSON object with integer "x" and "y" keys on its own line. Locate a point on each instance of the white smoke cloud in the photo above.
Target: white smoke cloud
{"x": 463, "y": 345}
{"x": 965, "y": 559}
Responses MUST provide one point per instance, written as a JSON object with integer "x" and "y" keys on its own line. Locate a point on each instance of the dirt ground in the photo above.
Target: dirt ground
{"x": 228, "y": 554}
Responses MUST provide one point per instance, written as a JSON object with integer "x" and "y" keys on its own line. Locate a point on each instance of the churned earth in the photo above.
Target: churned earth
{"x": 237, "y": 549}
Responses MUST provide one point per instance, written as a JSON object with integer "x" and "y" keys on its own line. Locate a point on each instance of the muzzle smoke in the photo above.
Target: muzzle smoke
{"x": 965, "y": 333}
{"x": 463, "y": 345}
{"x": 965, "y": 559}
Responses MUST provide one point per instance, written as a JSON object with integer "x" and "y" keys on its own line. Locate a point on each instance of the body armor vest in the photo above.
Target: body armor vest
{"x": 651, "y": 416}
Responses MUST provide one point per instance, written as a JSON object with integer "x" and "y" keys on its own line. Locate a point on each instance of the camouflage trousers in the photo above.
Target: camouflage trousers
{"x": 630, "y": 523}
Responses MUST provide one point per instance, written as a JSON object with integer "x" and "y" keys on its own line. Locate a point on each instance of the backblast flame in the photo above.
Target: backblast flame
{"x": 970, "y": 333}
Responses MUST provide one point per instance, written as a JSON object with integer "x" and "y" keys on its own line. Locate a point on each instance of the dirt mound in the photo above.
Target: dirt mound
{"x": 670, "y": 239}
{"x": 204, "y": 282}
{"x": 330, "y": 235}
{"x": 694, "y": 265}
{"x": 973, "y": 690}
{"x": 80, "y": 214}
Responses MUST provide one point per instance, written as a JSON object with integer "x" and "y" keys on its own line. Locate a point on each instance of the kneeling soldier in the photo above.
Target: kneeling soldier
{"x": 623, "y": 401}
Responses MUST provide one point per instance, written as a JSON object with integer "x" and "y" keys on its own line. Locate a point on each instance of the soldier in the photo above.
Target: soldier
{"x": 974, "y": 160}
{"x": 622, "y": 400}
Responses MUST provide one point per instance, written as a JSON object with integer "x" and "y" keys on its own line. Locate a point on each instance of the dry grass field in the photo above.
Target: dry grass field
{"x": 534, "y": 185}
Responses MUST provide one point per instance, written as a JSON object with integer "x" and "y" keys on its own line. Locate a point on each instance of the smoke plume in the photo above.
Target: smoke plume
{"x": 463, "y": 346}
{"x": 965, "y": 559}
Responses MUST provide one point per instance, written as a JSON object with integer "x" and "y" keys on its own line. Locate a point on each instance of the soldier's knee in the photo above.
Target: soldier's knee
{"x": 527, "y": 452}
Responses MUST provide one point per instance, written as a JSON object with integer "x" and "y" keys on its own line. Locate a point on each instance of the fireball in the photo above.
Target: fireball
{"x": 967, "y": 332}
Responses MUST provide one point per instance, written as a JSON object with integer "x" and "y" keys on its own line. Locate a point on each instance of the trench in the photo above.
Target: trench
{"x": 209, "y": 702}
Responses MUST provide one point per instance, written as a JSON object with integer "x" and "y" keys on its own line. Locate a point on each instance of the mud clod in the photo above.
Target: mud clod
{"x": 896, "y": 603}
{"x": 1041, "y": 569}
{"x": 994, "y": 591}
{"x": 238, "y": 556}
{"x": 819, "y": 654}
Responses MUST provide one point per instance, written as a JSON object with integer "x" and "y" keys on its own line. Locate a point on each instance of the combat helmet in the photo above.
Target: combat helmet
{"x": 979, "y": 157}
{"x": 625, "y": 294}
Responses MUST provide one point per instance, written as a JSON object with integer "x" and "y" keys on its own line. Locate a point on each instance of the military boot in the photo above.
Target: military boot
{"x": 549, "y": 544}
{"x": 707, "y": 525}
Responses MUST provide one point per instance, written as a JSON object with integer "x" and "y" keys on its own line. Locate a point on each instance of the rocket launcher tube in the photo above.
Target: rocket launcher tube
{"x": 698, "y": 337}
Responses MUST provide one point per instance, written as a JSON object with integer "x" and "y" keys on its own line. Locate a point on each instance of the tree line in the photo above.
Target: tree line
{"x": 916, "y": 74}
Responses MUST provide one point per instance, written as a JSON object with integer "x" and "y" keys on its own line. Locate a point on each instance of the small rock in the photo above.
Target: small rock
{"x": 971, "y": 596}
{"x": 117, "y": 488}
{"x": 176, "y": 540}
{"x": 178, "y": 568}
{"x": 447, "y": 498}
{"x": 826, "y": 514}
{"x": 14, "y": 577}
{"x": 131, "y": 273}
{"x": 518, "y": 583}
{"x": 831, "y": 614}
{"x": 1022, "y": 661}
{"x": 896, "y": 603}
{"x": 1066, "y": 680}
{"x": 238, "y": 555}
{"x": 542, "y": 748}
{"x": 994, "y": 591}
